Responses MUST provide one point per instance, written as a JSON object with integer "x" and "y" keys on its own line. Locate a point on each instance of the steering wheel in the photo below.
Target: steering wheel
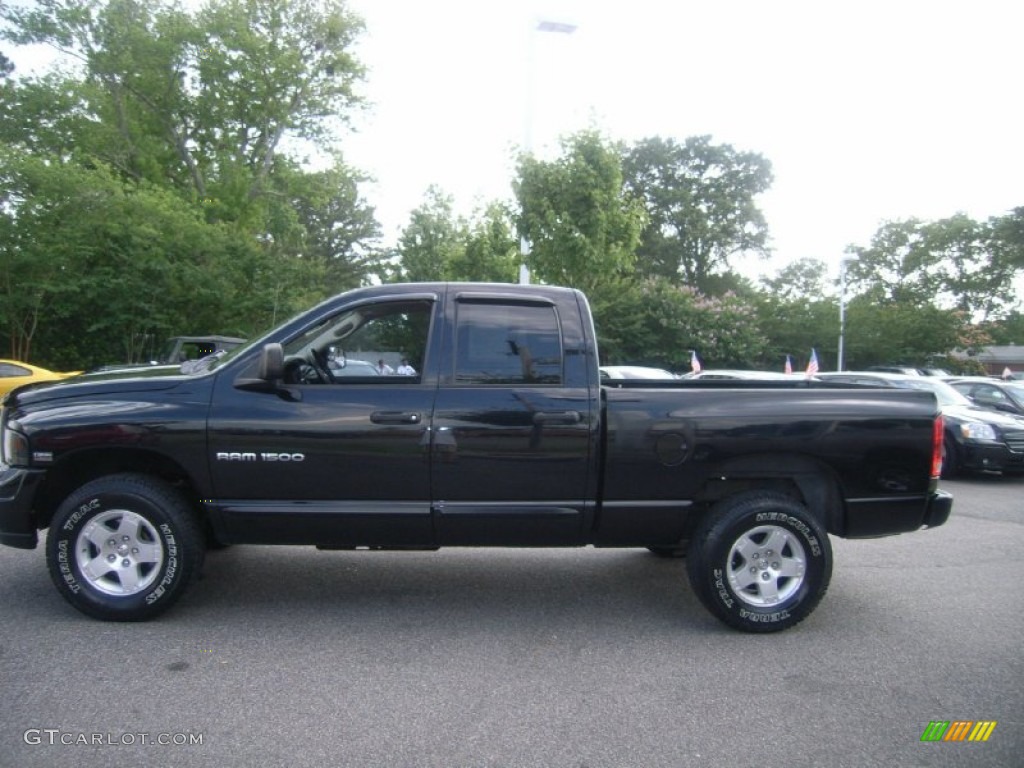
{"x": 322, "y": 365}
{"x": 299, "y": 371}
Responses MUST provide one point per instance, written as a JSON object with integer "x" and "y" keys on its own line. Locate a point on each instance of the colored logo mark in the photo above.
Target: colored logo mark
{"x": 959, "y": 730}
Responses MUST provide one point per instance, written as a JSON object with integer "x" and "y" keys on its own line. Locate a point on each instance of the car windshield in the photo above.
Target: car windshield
{"x": 944, "y": 393}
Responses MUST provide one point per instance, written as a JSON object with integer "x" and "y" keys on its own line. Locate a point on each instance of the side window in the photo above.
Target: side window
{"x": 9, "y": 369}
{"x": 391, "y": 341}
{"x": 507, "y": 344}
{"x": 376, "y": 343}
{"x": 991, "y": 395}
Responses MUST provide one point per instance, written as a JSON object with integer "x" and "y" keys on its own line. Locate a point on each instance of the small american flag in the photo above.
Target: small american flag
{"x": 789, "y": 365}
{"x": 812, "y": 364}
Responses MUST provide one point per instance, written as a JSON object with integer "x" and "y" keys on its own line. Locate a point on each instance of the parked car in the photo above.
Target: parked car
{"x": 353, "y": 368}
{"x": 975, "y": 439}
{"x": 634, "y": 372}
{"x": 178, "y": 350}
{"x": 906, "y": 370}
{"x": 14, "y": 373}
{"x": 1007, "y": 396}
{"x": 713, "y": 374}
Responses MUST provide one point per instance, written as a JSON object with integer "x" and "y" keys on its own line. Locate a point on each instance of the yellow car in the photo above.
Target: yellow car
{"x": 14, "y": 373}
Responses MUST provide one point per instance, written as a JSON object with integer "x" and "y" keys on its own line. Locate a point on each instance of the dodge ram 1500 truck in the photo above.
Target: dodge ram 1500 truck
{"x": 428, "y": 415}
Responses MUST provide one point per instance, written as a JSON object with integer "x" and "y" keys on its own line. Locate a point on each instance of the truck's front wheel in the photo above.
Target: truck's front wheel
{"x": 760, "y": 562}
{"x": 123, "y": 547}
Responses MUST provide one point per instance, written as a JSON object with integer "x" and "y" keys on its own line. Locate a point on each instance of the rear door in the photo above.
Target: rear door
{"x": 515, "y": 426}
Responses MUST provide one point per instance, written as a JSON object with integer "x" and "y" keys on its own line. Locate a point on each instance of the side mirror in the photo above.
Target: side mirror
{"x": 270, "y": 374}
{"x": 271, "y": 367}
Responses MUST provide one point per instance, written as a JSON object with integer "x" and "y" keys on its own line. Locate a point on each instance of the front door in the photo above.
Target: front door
{"x": 339, "y": 455}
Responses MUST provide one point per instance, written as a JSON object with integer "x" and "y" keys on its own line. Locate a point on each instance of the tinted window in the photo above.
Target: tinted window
{"x": 9, "y": 369}
{"x": 507, "y": 344}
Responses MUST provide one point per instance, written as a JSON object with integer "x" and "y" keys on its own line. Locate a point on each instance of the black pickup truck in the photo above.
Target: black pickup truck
{"x": 430, "y": 415}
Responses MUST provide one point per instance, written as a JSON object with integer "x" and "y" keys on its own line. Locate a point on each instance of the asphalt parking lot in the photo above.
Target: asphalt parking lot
{"x": 294, "y": 657}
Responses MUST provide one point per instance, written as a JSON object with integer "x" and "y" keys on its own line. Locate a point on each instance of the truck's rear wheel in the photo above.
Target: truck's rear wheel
{"x": 123, "y": 547}
{"x": 760, "y": 562}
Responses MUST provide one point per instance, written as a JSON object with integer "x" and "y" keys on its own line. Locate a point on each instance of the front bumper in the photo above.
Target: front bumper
{"x": 994, "y": 457}
{"x": 17, "y": 492}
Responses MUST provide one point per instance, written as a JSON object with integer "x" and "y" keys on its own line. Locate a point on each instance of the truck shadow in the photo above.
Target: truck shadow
{"x": 478, "y": 586}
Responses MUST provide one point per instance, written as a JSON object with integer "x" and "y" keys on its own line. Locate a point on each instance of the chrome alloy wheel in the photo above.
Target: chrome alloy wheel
{"x": 766, "y": 566}
{"x": 119, "y": 552}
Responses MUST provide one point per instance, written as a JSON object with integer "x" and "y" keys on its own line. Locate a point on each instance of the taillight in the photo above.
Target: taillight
{"x": 938, "y": 433}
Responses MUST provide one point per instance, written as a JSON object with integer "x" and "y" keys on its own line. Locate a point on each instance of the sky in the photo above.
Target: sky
{"x": 869, "y": 111}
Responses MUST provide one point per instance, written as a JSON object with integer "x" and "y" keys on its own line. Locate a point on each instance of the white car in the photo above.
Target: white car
{"x": 618, "y": 372}
{"x": 741, "y": 374}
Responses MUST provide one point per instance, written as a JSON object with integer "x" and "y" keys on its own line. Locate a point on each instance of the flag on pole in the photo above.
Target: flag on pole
{"x": 812, "y": 364}
{"x": 694, "y": 362}
{"x": 789, "y": 365}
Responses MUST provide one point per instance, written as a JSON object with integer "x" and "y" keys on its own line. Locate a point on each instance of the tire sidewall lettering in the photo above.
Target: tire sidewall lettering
{"x": 170, "y": 564}
{"x": 64, "y": 564}
{"x": 711, "y": 549}
{"x": 796, "y": 525}
{"x": 177, "y": 535}
{"x": 80, "y": 513}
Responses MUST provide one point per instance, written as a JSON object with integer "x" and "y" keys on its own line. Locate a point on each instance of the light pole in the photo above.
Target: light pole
{"x": 842, "y": 307}
{"x": 539, "y": 25}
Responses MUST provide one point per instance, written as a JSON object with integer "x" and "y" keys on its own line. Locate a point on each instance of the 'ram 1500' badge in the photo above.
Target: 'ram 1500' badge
{"x": 253, "y": 456}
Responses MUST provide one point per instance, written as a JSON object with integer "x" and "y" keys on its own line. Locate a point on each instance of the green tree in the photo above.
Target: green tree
{"x": 204, "y": 98}
{"x": 438, "y": 245}
{"x": 94, "y": 268}
{"x": 491, "y": 252}
{"x": 655, "y": 322}
{"x": 700, "y": 200}
{"x": 801, "y": 280}
{"x": 432, "y": 242}
{"x": 953, "y": 263}
{"x": 582, "y": 224}
{"x": 910, "y": 333}
{"x": 157, "y": 128}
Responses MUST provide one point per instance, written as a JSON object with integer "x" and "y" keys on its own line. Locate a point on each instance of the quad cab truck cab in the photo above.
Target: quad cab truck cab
{"x": 503, "y": 436}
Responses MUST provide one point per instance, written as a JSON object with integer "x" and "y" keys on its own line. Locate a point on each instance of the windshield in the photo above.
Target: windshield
{"x": 944, "y": 393}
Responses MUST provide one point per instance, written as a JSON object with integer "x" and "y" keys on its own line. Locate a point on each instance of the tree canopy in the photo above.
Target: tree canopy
{"x": 182, "y": 172}
{"x": 159, "y": 173}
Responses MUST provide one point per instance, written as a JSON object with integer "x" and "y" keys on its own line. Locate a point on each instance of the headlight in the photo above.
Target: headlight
{"x": 977, "y": 431}
{"x": 15, "y": 448}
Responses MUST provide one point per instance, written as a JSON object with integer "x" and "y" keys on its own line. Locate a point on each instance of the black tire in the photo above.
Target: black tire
{"x": 760, "y": 562}
{"x": 124, "y": 547}
{"x": 950, "y": 458}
